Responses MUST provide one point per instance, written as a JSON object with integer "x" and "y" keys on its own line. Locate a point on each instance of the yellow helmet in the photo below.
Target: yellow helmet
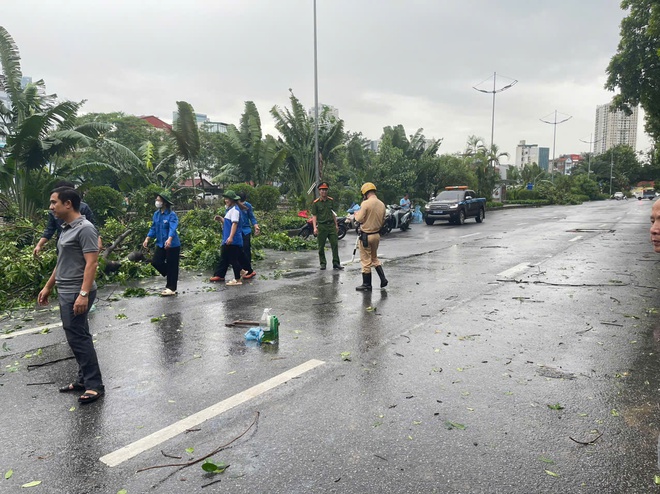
{"x": 366, "y": 187}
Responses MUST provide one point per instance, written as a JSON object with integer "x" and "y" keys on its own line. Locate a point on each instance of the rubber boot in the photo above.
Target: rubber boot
{"x": 366, "y": 283}
{"x": 381, "y": 274}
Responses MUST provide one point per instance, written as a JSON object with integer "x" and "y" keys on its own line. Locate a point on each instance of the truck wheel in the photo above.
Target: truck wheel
{"x": 460, "y": 219}
{"x": 429, "y": 221}
{"x": 480, "y": 217}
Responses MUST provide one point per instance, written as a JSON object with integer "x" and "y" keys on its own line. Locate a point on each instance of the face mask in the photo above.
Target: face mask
{"x": 158, "y": 204}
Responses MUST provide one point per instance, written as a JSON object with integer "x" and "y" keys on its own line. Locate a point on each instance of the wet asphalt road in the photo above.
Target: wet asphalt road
{"x": 514, "y": 356}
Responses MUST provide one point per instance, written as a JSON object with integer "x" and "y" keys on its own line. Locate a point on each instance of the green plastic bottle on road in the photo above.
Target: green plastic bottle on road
{"x": 273, "y": 333}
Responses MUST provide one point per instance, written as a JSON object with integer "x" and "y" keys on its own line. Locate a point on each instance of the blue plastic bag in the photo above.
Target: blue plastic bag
{"x": 254, "y": 334}
{"x": 417, "y": 216}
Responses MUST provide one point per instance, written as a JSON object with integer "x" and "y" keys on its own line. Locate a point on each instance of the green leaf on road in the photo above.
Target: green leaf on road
{"x": 121, "y": 316}
{"x": 615, "y": 413}
{"x": 546, "y": 460}
{"x": 190, "y": 450}
{"x": 656, "y": 480}
{"x": 5, "y": 347}
{"x": 454, "y": 425}
{"x": 210, "y": 467}
{"x": 34, "y": 483}
{"x": 122, "y": 491}
{"x": 552, "y": 474}
{"x": 346, "y": 356}
{"x": 556, "y": 406}
{"x": 9, "y": 474}
{"x": 44, "y": 331}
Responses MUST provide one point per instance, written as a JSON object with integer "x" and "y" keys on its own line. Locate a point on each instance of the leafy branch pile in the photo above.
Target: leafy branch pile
{"x": 22, "y": 275}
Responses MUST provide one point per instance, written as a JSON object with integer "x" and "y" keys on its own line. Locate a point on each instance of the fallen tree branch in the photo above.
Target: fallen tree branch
{"x": 211, "y": 483}
{"x": 166, "y": 455}
{"x": 115, "y": 244}
{"x": 588, "y": 442}
{"x": 49, "y": 363}
{"x": 537, "y": 282}
{"x": 40, "y": 384}
{"x": 214, "y": 452}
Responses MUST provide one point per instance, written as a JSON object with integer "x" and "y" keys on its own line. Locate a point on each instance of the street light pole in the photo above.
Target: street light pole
{"x": 611, "y": 168}
{"x": 494, "y": 92}
{"x": 590, "y": 142}
{"x": 316, "y": 109}
{"x": 554, "y": 139}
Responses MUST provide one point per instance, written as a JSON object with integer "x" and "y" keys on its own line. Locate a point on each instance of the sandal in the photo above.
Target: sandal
{"x": 72, "y": 387}
{"x": 90, "y": 396}
{"x": 234, "y": 283}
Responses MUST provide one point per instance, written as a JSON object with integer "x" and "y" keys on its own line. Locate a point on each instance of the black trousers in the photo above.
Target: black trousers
{"x": 230, "y": 254}
{"x": 166, "y": 262}
{"x": 247, "y": 250}
{"x": 76, "y": 330}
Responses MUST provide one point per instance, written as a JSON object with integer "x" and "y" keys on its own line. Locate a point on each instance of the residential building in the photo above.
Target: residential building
{"x": 373, "y": 145}
{"x": 614, "y": 128}
{"x": 204, "y": 123}
{"x": 156, "y": 122}
{"x": 566, "y": 162}
{"x": 527, "y": 154}
{"x": 215, "y": 127}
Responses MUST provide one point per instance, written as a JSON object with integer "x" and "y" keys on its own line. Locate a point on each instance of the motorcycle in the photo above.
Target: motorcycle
{"x": 307, "y": 229}
{"x": 396, "y": 217}
{"x": 351, "y": 224}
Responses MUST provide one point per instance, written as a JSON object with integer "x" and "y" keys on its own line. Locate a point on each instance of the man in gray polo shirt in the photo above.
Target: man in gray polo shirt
{"x": 74, "y": 275}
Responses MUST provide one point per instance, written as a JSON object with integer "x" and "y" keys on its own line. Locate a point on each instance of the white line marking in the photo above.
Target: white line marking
{"x": 575, "y": 238}
{"x": 469, "y": 235}
{"x": 512, "y": 272}
{"x": 30, "y": 331}
{"x": 127, "y": 452}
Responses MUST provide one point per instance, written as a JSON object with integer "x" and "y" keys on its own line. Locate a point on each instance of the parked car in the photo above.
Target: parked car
{"x": 208, "y": 196}
{"x": 648, "y": 194}
{"x": 619, "y": 195}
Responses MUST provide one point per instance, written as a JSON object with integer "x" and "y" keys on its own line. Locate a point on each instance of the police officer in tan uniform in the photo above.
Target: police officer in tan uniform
{"x": 371, "y": 217}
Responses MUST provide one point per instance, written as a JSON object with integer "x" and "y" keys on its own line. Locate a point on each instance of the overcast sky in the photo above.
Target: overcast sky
{"x": 380, "y": 62}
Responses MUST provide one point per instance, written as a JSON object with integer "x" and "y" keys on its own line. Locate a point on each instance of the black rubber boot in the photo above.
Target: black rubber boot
{"x": 381, "y": 274}
{"x": 366, "y": 283}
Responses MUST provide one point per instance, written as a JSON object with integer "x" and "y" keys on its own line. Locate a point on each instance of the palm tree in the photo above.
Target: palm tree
{"x": 485, "y": 163}
{"x": 37, "y": 129}
{"x": 414, "y": 148}
{"x": 186, "y": 137}
{"x": 297, "y": 137}
{"x": 258, "y": 159}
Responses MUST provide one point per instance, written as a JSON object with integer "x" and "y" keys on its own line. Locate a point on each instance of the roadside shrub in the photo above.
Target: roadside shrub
{"x": 247, "y": 188}
{"x": 522, "y": 194}
{"x": 106, "y": 203}
{"x": 267, "y": 197}
{"x": 141, "y": 201}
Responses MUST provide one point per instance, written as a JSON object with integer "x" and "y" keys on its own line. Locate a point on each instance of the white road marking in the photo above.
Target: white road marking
{"x": 469, "y": 235}
{"x": 575, "y": 238}
{"x": 512, "y": 272}
{"x": 30, "y": 331}
{"x": 127, "y": 452}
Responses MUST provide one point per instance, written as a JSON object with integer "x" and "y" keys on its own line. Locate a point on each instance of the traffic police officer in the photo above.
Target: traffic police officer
{"x": 324, "y": 220}
{"x": 371, "y": 217}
